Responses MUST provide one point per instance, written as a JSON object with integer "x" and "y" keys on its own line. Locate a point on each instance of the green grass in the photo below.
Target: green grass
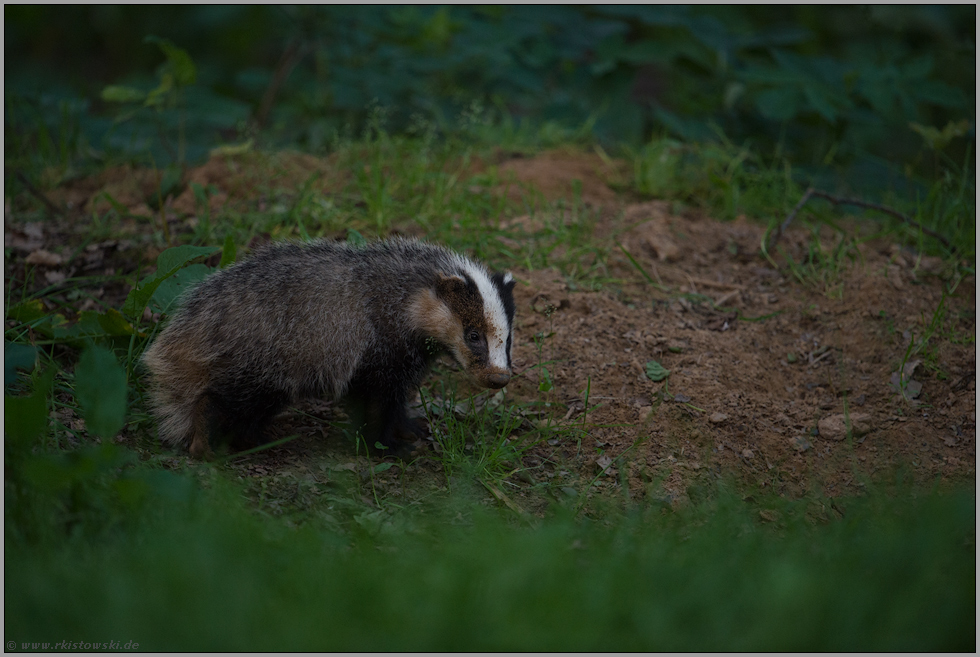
{"x": 727, "y": 180}
{"x": 199, "y": 570}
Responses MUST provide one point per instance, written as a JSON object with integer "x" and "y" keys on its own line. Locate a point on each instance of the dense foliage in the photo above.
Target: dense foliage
{"x": 874, "y": 94}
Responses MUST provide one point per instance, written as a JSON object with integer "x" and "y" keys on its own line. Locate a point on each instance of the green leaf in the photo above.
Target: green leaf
{"x": 229, "y": 253}
{"x": 918, "y": 69}
{"x": 355, "y": 239}
{"x": 545, "y": 385}
{"x": 100, "y": 388}
{"x": 87, "y": 326}
{"x": 939, "y": 93}
{"x": 168, "y": 263}
{"x": 233, "y": 149}
{"x": 820, "y": 102}
{"x": 113, "y": 323}
{"x": 173, "y": 259}
{"x": 779, "y": 104}
{"x": 121, "y": 209}
{"x": 200, "y": 194}
{"x": 158, "y": 95}
{"x": 170, "y": 290}
{"x": 179, "y": 60}
{"x": 16, "y": 356}
{"x": 119, "y": 94}
{"x": 27, "y": 311}
{"x": 381, "y": 467}
{"x": 656, "y": 372}
{"x": 26, "y": 418}
{"x": 937, "y": 140}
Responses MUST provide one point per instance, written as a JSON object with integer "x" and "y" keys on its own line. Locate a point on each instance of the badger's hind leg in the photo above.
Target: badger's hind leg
{"x": 200, "y": 447}
{"x": 240, "y": 416}
{"x": 177, "y": 393}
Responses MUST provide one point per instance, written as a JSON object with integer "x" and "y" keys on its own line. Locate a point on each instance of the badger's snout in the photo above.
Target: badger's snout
{"x": 497, "y": 379}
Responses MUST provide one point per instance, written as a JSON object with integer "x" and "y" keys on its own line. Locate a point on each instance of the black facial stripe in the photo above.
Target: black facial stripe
{"x": 478, "y": 349}
{"x": 471, "y": 287}
{"x": 506, "y": 293}
{"x": 461, "y": 294}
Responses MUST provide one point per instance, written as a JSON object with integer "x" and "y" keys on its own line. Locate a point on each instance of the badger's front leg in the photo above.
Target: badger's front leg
{"x": 378, "y": 414}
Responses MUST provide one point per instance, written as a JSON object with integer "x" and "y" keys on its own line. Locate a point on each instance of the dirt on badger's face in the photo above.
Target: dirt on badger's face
{"x": 325, "y": 319}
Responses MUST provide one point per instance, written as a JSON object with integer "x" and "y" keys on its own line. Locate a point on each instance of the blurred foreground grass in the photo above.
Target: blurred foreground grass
{"x": 196, "y": 570}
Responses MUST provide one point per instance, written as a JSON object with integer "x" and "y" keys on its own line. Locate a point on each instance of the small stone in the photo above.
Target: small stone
{"x": 895, "y": 277}
{"x": 834, "y": 427}
{"x": 748, "y": 453}
{"x": 800, "y": 443}
{"x": 717, "y": 418}
{"x": 655, "y": 235}
{"x": 645, "y": 412}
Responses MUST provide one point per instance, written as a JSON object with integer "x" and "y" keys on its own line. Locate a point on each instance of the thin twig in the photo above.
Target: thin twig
{"x": 792, "y": 215}
{"x": 292, "y": 56}
{"x": 499, "y": 494}
{"x": 718, "y": 285}
{"x": 39, "y": 195}
{"x": 837, "y": 200}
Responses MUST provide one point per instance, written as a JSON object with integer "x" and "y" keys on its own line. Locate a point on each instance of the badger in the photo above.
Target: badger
{"x": 325, "y": 319}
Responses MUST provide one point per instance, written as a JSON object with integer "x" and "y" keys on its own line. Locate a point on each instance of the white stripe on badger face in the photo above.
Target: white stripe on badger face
{"x": 493, "y": 308}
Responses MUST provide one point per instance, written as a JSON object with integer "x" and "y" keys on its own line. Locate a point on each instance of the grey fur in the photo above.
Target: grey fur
{"x": 301, "y": 320}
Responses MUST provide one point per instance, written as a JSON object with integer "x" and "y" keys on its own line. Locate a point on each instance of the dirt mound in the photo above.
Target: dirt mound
{"x": 226, "y": 178}
{"x": 564, "y": 174}
{"x": 766, "y": 373}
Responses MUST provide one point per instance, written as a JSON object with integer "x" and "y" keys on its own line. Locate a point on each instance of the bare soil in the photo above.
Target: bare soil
{"x": 766, "y": 372}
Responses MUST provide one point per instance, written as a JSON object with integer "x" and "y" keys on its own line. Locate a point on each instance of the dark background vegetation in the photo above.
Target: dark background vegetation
{"x": 833, "y": 89}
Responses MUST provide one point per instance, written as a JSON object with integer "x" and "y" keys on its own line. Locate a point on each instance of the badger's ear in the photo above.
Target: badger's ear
{"x": 448, "y": 287}
{"x": 504, "y": 281}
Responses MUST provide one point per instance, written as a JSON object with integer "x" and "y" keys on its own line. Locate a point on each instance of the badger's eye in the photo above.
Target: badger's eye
{"x": 473, "y": 336}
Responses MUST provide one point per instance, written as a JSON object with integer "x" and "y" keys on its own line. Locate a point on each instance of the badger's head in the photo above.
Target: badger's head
{"x": 471, "y": 313}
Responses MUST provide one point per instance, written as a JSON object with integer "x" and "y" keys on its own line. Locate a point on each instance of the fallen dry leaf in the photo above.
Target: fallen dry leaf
{"x": 42, "y": 257}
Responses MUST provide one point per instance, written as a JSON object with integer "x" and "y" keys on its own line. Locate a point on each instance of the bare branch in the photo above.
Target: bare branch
{"x": 837, "y": 200}
{"x": 292, "y": 56}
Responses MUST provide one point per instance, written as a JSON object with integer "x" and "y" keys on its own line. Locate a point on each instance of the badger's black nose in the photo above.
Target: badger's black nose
{"x": 497, "y": 379}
